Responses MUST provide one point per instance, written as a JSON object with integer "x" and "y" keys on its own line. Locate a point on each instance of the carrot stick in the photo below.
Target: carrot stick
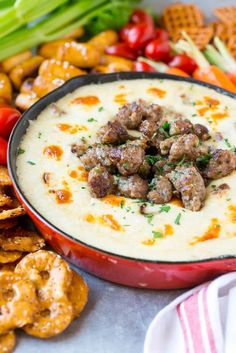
{"x": 176, "y": 71}
{"x": 215, "y": 76}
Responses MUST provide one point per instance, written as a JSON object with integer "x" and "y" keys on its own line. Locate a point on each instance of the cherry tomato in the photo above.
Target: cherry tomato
{"x": 137, "y": 36}
{"x": 140, "y": 66}
{"x": 139, "y": 16}
{"x": 123, "y": 50}
{"x": 183, "y": 62}
{"x": 3, "y": 151}
{"x": 8, "y": 118}
{"x": 162, "y": 34}
{"x": 158, "y": 50}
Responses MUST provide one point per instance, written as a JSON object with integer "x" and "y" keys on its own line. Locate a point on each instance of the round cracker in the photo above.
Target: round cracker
{"x": 78, "y": 293}
{"x": 7, "y": 342}
{"x": 9, "y": 256}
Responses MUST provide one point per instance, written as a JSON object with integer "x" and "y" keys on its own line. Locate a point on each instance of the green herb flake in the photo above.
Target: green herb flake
{"x": 152, "y": 159}
{"x": 164, "y": 132}
{"x": 194, "y": 115}
{"x": 39, "y": 135}
{"x": 91, "y": 120}
{"x": 100, "y": 109}
{"x": 164, "y": 208}
{"x": 31, "y": 163}
{"x": 157, "y": 234}
{"x": 202, "y": 161}
{"x": 20, "y": 151}
{"x": 126, "y": 165}
{"x": 122, "y": 204}
{"x": 149, "y": 217}
{"x": 228, "y": 144}
{"x": 177, "y": 219}
{"x": 166, "y": 126}
{"x": 83, "y": 187}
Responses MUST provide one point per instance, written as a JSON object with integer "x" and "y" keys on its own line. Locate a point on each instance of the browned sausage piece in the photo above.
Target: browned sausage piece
{"x": 189, "y": 182}
{"x": 134, "y": 187}
{"x": 112, "y": 132}
{"x": 222, "y": 163}
{"x": 161, "y": 190}
{"x": 132, "y": 157}
{"x": 180, "y": 127}
{"x": 100, "y": 182}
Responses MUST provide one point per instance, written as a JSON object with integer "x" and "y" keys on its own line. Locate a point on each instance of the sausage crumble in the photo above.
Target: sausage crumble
{"x": 169, "y": 158}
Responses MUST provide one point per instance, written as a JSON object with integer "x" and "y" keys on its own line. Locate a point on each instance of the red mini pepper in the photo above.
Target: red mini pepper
{"x": 140, "y": 66}
{"x": 158, "y": 50}
{"x": 139, "y": 31}
{"x": 8, "y": 118}
{"x": 123, "y": 50}
{"x": 183, "y": 62}
{"x": 3, "y": 151}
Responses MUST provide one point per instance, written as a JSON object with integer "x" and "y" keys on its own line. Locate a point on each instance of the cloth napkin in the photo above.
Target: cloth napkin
{"x": 202, "y": 320}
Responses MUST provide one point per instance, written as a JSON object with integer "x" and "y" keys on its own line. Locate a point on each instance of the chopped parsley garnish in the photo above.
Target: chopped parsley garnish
{"x": 229, "y": 145}
{"x": 177, "y": 219}
{"x": 83, "y": 187}
{"x": 202, "y": 161}
{"x": 152, "y": 159}
{"x": 20, "y": 151}
{"x": 100, "y": 109}
{"x": 166, "y": 126}
{"x": 122, "y": 204}
{"x": 164, "y": 129}
{"x": 91, "y": 120}
{"x": 149, "y": 217}
{"x": 126, "y": 165}
{"x": 39, "y": 135}
{"x": 31, "y": 163}
{"x": 193, "y": 115}
{"x": 164, "y": 208}
{"x": 157, "y": 234}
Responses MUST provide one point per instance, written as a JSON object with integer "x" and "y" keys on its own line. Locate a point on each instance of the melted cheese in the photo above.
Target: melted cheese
{"x": 56, "y": 182}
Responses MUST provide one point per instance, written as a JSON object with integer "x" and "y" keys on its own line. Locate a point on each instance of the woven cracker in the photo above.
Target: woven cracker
{"x": 220, "y": 30}
{"x": 200, "y": 36}
{"x": 179, "y": 16}
{"x": 226, "y": 15}
{"x": 231, "y": 44}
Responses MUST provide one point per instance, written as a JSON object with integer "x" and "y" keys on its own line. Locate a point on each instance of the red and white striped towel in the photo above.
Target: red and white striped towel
{"x": 202, "y": 320}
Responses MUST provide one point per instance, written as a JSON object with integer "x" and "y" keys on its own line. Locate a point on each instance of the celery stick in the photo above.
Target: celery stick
{"x": 226, "y": 55}
{"x": 195, "y": 52}
{"x": 214, "y": 57}
{"x": 157, "y": 65}
{"x": 16, "y": 16}
{"x": 29, "y": 37}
